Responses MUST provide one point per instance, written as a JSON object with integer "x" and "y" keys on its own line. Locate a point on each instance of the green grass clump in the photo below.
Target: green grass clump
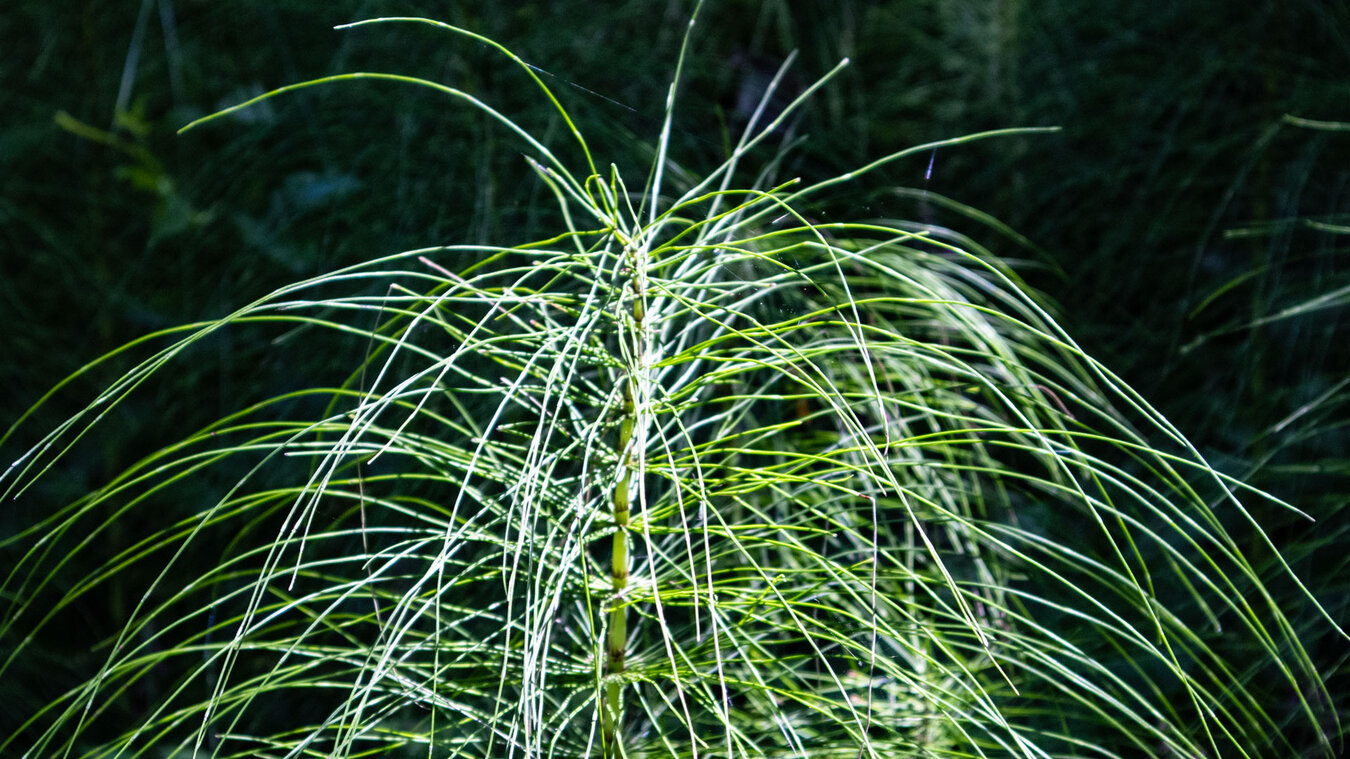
{"x": 695, "y": 476}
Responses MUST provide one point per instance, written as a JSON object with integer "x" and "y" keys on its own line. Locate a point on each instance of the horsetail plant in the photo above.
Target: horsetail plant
{"x": 857, "y": 492}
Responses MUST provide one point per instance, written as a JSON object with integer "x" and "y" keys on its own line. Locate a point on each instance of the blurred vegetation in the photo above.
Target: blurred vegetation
{"x": 1192, "y": 236}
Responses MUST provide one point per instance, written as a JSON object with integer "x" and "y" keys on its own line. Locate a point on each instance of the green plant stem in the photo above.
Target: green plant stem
{"x": 618, "y": 618}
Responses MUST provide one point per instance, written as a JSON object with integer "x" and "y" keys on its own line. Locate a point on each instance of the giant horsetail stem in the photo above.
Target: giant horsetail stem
{"x": 617, "y": 639}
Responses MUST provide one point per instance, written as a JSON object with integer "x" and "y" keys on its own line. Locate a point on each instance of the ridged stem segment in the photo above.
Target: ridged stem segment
{"x": 617, "y": 640}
